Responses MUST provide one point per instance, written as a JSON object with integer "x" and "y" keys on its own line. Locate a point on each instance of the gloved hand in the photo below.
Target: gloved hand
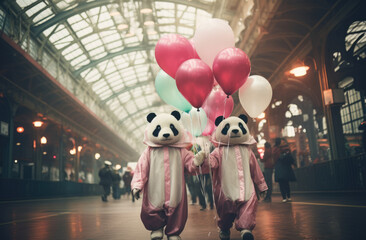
{"x": 199, "y": 158}
{"x": 136, "y": 193}
{"x": 263, "y": 194}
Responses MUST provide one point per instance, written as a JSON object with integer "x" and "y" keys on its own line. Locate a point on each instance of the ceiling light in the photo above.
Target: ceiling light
{"x": 122, "y": 26}
{"x": 299, "y": 71}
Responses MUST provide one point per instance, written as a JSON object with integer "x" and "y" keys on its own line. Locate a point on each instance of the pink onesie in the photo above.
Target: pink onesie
{"x": 160, "y": 174}
{"x": 234, "y": 169}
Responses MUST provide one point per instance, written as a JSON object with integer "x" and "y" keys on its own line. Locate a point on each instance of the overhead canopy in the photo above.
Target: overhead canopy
{"x": 109, "y": 45}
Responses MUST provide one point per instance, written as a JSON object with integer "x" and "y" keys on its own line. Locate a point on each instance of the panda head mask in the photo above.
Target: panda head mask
{"x": 164, "y": 129}
{"x": 232, "y": 130}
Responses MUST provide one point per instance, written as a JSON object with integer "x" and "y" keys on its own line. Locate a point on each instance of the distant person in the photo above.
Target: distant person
{"x": 116, "y": 180}
{"x": 105, "y": 175}
{"x": 268, "y": 169}
{"x": 283, "y": 167}
{"x": 127, "y": 178}
{"x": 363, "y": 128}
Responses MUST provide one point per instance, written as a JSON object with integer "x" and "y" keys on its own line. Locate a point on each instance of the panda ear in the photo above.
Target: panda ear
{"x": 219, "y": 120}
{"x": 150, "y": 117}
{"x": 176, "y": 114}
{"x": 244, "y": 118}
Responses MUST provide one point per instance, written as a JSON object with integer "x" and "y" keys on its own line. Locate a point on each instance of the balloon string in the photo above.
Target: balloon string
{"x": 202, "y": 179}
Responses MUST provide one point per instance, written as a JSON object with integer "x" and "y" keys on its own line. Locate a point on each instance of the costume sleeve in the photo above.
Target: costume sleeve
{"x": 214, "y": 158}
{"x": 256, "y": 173}
{"x": 141, "y": 172}
{"x": 187, "y": 158}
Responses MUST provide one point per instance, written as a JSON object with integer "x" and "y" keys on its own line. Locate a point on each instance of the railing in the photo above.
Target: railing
{"x": 347, "y": 174}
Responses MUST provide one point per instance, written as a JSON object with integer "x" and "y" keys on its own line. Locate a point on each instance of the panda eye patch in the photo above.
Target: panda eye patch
{"x": 156, "y": 131}
{"x": 175, "y": 131}
{"x": 242, "y": 128}
{"x": 225, "y": 129}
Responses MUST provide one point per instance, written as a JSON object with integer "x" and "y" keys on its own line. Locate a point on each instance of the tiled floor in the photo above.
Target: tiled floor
{"x": 309, "y": 216}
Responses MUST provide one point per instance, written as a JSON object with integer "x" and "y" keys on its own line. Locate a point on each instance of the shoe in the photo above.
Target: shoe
{"x": 289, "y": 199}
{"x": 203, "y": 209}
{"x": 246, "y": 234}
{"x": 104, "y": 199}
{"x": 174, "y": 238}
{"x": 224, "y": 235}
{"x": 284, "y": 200}
{"x": 157, "y": 234}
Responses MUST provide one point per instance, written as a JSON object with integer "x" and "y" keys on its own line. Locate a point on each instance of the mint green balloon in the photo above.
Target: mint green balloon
{"x": 167, "y": 90}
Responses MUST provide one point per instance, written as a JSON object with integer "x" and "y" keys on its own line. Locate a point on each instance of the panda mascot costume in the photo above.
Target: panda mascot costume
{"x": 235, "y": 170}
{"x": 160, "y": 175}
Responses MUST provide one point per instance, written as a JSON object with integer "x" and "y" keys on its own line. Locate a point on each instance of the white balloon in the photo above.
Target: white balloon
{"x": 195, "y": 122}
{"x": 211, "y": 37}
{"x": 255, "y": 95}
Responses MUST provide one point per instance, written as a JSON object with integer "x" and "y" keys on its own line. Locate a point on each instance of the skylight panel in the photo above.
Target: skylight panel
{"x": 36, "y": 8}
{"x": 131, "y": 107}
{"x": 49, "y": 30}
{"x": 113, "y": 104}
{"x": 92, "y": 76}
{"x": 69, "y": 49}
{"x": 60, "y": 33}
{"x": 103, "y": 54}
{"x": 185, "y": 31}
{"x": 43, "y": 16}
{"x": 63, "y": 4}
{"x": 163, "y": 13}
{"x": 166, "y": 20}
{"x": 99, "y": 85}
{"x": 124, "y": 97}
{"x": 74, "y": 19}
{"x": 111, "y": 68}
{"x": 79, "y": 25}
{"x": 84, "y": 31}
{"x": 23, "y": 3}
{"x": 90, "y": 39}
{"x": 105, "y": 94}
{"x": 111, "y": 38}
{"x": 141, "y": 102}
{"x": 79, "y": 60}
{"x": 96, "y": 51}
{"x": 93, "y": 45}
{"x": 105, "y": 24}
{"x": 164, "y": 5}
{"x": 168, "y": 29}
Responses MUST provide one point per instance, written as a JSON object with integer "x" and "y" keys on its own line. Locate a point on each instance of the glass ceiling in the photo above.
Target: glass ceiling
{"x": 110, "y": 45}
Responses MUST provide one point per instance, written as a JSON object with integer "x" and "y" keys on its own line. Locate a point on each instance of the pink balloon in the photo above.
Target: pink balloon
{"x": 171, "y": 51}
{"x": 231, "y": 69}
{"x": 218, "y": 104}
{"x": 195, "y": 81}
{"x": 210, "y": 127}
{"x": 194, "y": 49}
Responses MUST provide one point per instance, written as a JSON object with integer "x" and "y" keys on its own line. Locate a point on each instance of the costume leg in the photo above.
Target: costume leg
{"x": 152, "y": 218}
{"x": 246, "y": 214}
{"x": 176, "y": 218}
{"x": 287, "y": 189}
{"x": 226, "y": 212}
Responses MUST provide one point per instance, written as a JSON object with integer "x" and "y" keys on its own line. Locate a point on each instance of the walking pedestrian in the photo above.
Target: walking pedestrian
{"x": 105, "y": 175}
{"x": 283, "y": 167}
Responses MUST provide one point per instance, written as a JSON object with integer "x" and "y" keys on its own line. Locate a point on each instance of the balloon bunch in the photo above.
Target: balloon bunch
{"x": 204, "y": 72}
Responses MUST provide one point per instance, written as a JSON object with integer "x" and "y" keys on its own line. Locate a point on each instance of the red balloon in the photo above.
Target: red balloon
{"x": 210, "y": 127}
{"x": 195, "y": 81}
{"x": 231, "y": 69}
{"x": 218, "y": 104}
{"x": 171, "y": 51}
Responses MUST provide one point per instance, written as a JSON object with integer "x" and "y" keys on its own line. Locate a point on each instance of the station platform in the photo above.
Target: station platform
{"x": 308, "y": 216}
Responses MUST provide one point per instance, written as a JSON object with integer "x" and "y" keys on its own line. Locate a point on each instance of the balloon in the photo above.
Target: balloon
{"x": 255, "y": 95}
{"x": 167, "y": 90}
{"x": 171, "y": 51}
{"x": 194, "y": 122}
{"x": 210, "y": 127}
{"x": 231, "y": 69}
{"x": 195, "y": 81}
{"x": 217, "y": 103}
{"x": 211, "y": 37}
